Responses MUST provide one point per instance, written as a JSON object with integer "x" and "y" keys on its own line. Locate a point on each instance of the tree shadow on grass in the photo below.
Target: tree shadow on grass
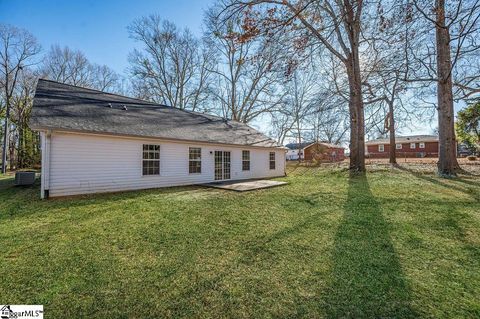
{"x": 467, "y": 182}
{"x": 472, "y": 192}
{"x": 367, "y": 279}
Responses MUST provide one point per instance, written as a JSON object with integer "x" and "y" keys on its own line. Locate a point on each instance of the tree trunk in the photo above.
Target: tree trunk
{"x": 5, "y": 131}
{"x": 5, "y": 140}
{"x": 21, "y": 149}
{"x": 11, "y": 157}
{"x": 447, "y": 160}
{"x": 299, "y": 143}
{"x": 391, "y": 128}
{"x": 355, "y": 104}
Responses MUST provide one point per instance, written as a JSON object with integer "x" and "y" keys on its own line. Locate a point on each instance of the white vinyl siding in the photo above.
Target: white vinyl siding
{"x": 88, "y": 163}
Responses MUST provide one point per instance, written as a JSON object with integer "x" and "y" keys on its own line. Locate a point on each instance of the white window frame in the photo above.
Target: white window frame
{"x": 245, "y": 160}
{"x": 381, "y": 148}
{"x": 270, "y": 160}
{"x": 421, "y": 145}
{"x": 196, "y": 160}
{"x": 414, "y": 146}
{"x": 149, "y": 152}
{"x": 398, "y": 146}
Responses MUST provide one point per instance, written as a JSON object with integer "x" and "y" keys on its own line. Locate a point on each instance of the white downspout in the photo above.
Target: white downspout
{"x": 45, "y": 177}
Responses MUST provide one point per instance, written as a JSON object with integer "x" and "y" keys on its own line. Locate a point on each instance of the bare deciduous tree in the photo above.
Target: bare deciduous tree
{"x": 335, "y": 25}
{"x": 456, "y": 27}
{"x": 301, "y": 91}
{"x": 105, "y": 79}
{"x": 245, "y": 75}
{"x": 24, "y": 143}
{"x": 172, "y": 66}
{"x": 69, "y": 66}
{"x": 18, "y": 49}
{"x": 329, "y": 119}
{"x": 66, "y": 66}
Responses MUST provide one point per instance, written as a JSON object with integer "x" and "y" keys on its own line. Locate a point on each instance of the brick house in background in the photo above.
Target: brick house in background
{"x": 406, "y": 146}
{"x": 319, "y": 151}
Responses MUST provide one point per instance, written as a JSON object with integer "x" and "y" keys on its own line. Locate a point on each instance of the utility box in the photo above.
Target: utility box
{"x": 24, "y": 178}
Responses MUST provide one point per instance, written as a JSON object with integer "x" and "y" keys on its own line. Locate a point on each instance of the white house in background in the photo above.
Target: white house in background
{"x": 294, "y": 155}
{"x": 296, "y": 150}
{"x": 94, "y": 141}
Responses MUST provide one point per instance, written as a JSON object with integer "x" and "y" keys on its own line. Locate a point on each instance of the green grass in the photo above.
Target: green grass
{"x": 392, "y": 244}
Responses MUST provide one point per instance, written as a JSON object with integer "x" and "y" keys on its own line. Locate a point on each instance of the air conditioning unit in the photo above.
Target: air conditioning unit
{"x": 24, "y": 178}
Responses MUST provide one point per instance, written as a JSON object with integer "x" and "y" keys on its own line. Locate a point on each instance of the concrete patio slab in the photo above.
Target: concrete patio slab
{"x": 243, "y": 186}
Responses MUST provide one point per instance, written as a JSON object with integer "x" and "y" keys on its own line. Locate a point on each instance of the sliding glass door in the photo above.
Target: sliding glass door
{"x": 222, "y": 165}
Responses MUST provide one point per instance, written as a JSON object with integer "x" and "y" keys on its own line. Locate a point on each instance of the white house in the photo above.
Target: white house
{"x": 296, "y": 150}
{"x": 293, "y": 155}
{"x": 94, "y": 141}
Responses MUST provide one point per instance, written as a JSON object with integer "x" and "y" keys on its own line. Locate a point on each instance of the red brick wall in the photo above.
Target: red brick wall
{"x": 322, "y": 153}
{"x": 430, "y": 150}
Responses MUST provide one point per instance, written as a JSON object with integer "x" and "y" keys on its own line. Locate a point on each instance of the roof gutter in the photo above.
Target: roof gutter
{"x": 84, "y": 132}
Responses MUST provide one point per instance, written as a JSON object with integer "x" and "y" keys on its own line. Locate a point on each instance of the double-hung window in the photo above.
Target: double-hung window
{"x": 245, "y": 160}
{"x": 398, "y": 146}
{"x": 195, "y": 160}
{"x": 412, "y": 146}
{"x": 151, "y": 159}
{"x": 381, "y": 148}
{"x": 272, "y": 160}
{"x": 421, "y": 145}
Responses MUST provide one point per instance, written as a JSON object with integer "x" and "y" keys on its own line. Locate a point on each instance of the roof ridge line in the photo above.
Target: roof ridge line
{"x": 100, "y": 91}
{"x": 137, "y": 99}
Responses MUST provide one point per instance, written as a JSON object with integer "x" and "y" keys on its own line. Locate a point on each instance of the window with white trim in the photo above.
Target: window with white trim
{"x": 398, "y": 146}
{"x": 421, "y": 145}
{"x": 413, "y": 145}
{"x": 272, "y": 160}
{"x": 151, "y": 159}
{"x": 245, "y": 160}
{"x": 381, "y": 148}
{"x": 195, "y": 160}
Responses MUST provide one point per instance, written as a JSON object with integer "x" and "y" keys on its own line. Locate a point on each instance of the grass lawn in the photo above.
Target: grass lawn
{"x": 396, "y": 243}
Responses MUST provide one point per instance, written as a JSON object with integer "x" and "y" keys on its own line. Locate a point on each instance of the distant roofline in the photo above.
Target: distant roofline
{"x": 324, "y": 143}
{"x": 99, "y": 91}
{"x": 404, "y": 139}
{"x": 308, "y": 144}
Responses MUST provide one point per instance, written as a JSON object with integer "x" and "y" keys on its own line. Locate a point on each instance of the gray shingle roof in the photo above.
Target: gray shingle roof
{"x": 296, "y": 146}
{"x": 59, "y": 106}
{"x": 405, "y": 139}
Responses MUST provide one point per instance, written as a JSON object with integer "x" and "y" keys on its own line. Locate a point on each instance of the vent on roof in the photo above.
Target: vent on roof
{"x": 109, "y": 105}
{"x": 124, "y": 107}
